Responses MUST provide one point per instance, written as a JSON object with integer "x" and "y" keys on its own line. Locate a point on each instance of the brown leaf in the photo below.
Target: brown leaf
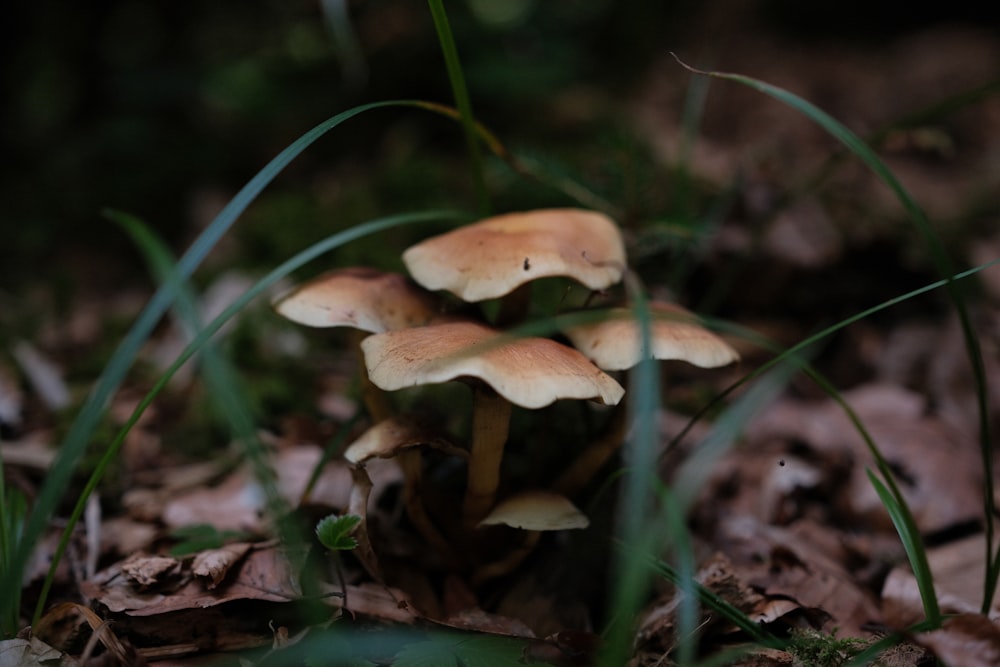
{"x": 32, "y": 653}
{"x": 265, "y": 574}
{"x": 144, "y": 572}
{"x": 958, "y": 569}
{"x": 214, "y": 564}
{"x": 966, "y": 640}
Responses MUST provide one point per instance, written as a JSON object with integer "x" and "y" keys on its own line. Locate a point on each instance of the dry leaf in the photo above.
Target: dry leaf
{"x": 214, "y": 564}
{"x": 966, "y": 640}
{"x": 958, "y": 569}
{"x": 265, "y": 574}
{"x": 32, "y": 653}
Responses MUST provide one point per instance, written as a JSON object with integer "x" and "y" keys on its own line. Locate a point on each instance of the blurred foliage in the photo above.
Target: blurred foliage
{"x": 165, "y": 109}
{"x": 149, "y": 107}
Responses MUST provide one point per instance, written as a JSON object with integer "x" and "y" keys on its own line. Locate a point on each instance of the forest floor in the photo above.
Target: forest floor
{"x": 786, "y": 524}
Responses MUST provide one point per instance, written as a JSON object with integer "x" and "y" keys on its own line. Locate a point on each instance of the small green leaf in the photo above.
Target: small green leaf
{"x": 333, "y": 530}
{"x": 202, "y": 536}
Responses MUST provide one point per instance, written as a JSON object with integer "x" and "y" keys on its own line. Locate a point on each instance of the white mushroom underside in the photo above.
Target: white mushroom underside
{"x": 616, "y": 343}
{"x": 537, "y": 510}
{"x": 529, "y": 372}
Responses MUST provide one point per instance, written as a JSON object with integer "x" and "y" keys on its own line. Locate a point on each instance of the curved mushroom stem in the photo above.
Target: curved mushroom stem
{"x": 597, "y": 453}
{"x": 376, "y": 401}
{"x": 358, "y": 505}
{"x": 410, "y": 463}
{"x": 507, "y": 564}
{"x": 490, "y": 425}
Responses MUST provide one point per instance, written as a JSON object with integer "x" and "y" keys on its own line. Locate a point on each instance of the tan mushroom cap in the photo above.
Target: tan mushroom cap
{"x": 530, "y": 372}
{"x": 537, "y": 510}
{"x": 616, "y": 343}
{"x": 390, "y": 436}
{"x": 493, "y": 257}
{"x": 362, "y": 298}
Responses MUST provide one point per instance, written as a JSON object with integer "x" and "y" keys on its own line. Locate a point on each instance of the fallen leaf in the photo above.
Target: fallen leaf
{"x": 265, "y": 574}
{"x": 214, "y": 564}
{"x": 145, "y": 572}
{"x": 958, "y": 570}
{"x": 32, "y": 653}
{"x": 966, "y": 640}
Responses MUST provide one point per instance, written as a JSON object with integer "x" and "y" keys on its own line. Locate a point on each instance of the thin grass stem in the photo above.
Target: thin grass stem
{"x": 462, "y": 101}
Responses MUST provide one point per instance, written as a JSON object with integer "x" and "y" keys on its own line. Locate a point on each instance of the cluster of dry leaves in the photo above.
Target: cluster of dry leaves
{"x": 788, "y": 527}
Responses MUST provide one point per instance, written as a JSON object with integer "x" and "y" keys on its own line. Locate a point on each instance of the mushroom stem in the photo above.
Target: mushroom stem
{"x": 490, "y": 425}
{"x": 358, "y": 505}
{"x": 597, "y": 453}
{"x": 376, "y": 400}
{"x": 410, "y": 463}
{"x": 507, "y": 564}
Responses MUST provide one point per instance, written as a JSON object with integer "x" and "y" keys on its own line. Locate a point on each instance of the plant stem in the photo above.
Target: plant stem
{"x": 461, "y": 92}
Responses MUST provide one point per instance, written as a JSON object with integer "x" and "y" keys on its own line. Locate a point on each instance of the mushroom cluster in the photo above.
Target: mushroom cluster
{"x": 408, "y": 337}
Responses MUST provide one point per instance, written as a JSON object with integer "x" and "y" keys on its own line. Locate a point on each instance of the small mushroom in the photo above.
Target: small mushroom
{"x": 367, "y": 300}
{"x": 361, "y": 298}
{"x": 529, "y": 372}
{"x": 531, "y": 511}
{"x": 401, "y": 437}
{"x": 495, "y": 256}
{"x": 616, "y": 344}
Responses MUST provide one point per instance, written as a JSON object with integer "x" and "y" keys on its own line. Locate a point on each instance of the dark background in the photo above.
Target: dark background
{"x": 164, "y": 110}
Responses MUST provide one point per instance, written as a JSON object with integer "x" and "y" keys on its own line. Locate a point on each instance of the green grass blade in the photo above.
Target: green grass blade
{"x": 631, "y": 571}
{"x": 902, "y": 519}
{"x": 13, "y": 509}
{"x": 205, "y": 334}
{"x": 784, "y": 353}
{"x": 75, "y": 442}
{"x": 230, "y": 400}
{"x": 461, "y": 92}
{"x": 942, "y": 263}
{"x": 719, "y": 606}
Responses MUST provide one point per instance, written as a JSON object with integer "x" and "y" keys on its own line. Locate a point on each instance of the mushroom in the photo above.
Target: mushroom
{"x": 616, "y": 344}
{"x": 367, "y": 300}
{"x": 400, "y": 437}
{"x": 494, "y": 257}
{"x": 529, "y": 372}
{"x": 531, "y": 511}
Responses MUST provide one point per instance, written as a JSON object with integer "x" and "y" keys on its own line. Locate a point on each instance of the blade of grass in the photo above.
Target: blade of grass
{"x": 719, "y": 606}
{"x": 810, "y": 340}
{"x": 13, "y": 509}
{"x": 229, "y": 312}
{"x": 919, "y": 562}
{"x": 942, "y": 263}
{"x": 461, "y": 93}
{"x": 225, "y": 391}
{"x": 915, "y": 552}
{"x": 75, "y": 442}
{"x": 631, "y": 573}
{"x": 224, "y": 387}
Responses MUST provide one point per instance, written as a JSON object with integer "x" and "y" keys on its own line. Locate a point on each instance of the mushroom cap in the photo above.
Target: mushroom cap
{"x": 389, "y": 436}
{"x": 530, "y": 372}
{"x": 537, "y": 510}
{"x": 493, "y": 257}
{"x": 362, "y": 298}
{"x": 615, "y": 344}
